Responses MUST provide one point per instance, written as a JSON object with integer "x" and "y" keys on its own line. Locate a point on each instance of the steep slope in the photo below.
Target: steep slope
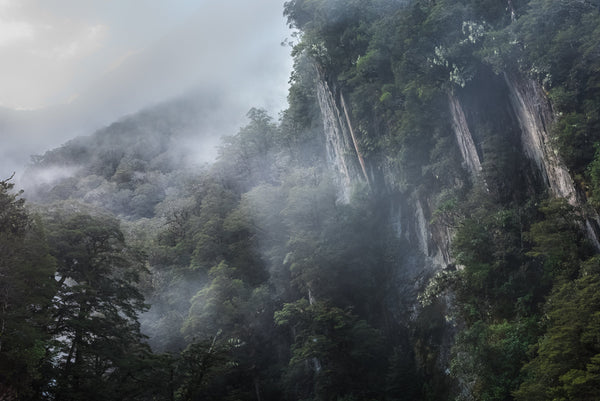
{"x": 129, "y": 166}
{"x": 464, "y": 124}
{"x": 418, "y": 225}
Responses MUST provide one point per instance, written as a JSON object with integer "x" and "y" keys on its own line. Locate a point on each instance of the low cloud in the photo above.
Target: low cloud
{"x": 232, "y": 46}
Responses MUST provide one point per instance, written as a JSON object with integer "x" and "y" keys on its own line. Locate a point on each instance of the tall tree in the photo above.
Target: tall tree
{"x": 566, "y": 365}
{"x": 26, "y": 290}
{"x": 99, "y": 352}
{"x": 334, "y": 355}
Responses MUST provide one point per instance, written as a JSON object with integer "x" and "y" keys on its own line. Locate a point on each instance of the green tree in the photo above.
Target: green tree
{"x": 247, "y": 158}
{"x": 240, "y": 316}
{"x": 566, "y": 363}
{"x": 334, "y": 353}
{"x": 559, "y": 241}
{"x": 26, "y": 290}
{"x": 219, "y": 305}
{"x": 199, "y": 366}
{"x": 497, "y": 288}
{"x": 99, "y": 353}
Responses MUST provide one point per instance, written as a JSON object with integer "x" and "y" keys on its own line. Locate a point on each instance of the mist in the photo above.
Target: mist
{"x": 117, "y": 60}
{"x": 201, "y": 221}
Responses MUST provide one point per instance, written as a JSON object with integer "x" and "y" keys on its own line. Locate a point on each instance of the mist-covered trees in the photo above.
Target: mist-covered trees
{"x": 334, "y": 354}
{"x": 266, "y": 285}
{"x": 98, "y": 349}
{"x": 566, "y": 362}
{"x": 69, "y": 306}
{"x": 27, "y": 288}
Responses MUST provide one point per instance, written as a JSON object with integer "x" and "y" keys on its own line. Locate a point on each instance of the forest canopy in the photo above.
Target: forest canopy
{"x": 386, "y": 261}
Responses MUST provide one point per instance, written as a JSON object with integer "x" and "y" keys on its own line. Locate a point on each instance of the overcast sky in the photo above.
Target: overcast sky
{"x": 68, "y": 67}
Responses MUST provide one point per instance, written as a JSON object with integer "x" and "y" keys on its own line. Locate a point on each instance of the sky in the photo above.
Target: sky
{"x": 69, "y": 67}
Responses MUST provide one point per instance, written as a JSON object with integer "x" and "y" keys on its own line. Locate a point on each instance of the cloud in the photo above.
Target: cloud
{"x": 44, "y": 54}
{"x": 72, "y": 43}
{"x": 83, "y": 65}
{"x": 13, "y": 32}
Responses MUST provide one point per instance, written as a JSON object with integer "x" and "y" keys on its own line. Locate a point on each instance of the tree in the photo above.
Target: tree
{"x": 334, "y": 353}
{"x": 566, "y": 363}
{"x": 219, "y": 305}
{"x": 98, "y": 349}
{"x": 246, "y": 159}
{"x": 239, "y": 316}
{"x": 199, "y": 365}
{"x": 26, "y": 290}
{"x": 559, "y": 240}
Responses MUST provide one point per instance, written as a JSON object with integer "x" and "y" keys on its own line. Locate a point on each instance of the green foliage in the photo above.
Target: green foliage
{"x": 218, "y": 306}
{"x": 26, "y": 291}
{"x": 334, "y": 32}
{"x": 246, "y": 159}
{"x": 509, "y": 261}
{"x": 593, "y": 171}
{"x": 334, "y": 354}
{"x": 487, "y": 357}
{"x": 489, "y": 245}
{"x": 559, "y": 241}
{"x": 574, "y": 140}
{"x": 97, "y": 342}
{"x": 403, "y": 382}
{"x": 565, "y": 363}
{"x": 300, "y": 125}
{"x": 233, "y": 250}
{"x": 199, "y": 365}
{"x": 558, "y": 38}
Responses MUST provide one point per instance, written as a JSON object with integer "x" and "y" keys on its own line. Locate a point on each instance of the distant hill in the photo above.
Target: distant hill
{"x": 128, "y": 166}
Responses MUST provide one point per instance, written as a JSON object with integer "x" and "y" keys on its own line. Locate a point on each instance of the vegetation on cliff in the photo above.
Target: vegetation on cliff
{"x": 251, "y": 279}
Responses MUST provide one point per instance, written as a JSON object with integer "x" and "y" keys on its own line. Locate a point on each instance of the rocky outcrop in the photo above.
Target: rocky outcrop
{"x": 428, "y": 243}
{"x": 361, "y": 159}
{"x": 342, "y": 150}
{"x": 528, "y": 117}
{"x": 535, "y": 115}
{"x": 464, "y": 139}
{"x": 433, "y": 239}
{"x": 410, "y": 215}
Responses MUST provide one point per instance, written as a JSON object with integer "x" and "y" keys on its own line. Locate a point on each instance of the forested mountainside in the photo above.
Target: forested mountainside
{"x": 421, "y": 223}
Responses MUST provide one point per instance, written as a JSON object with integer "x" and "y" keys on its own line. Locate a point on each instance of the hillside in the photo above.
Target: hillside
{"x": 421, "y": 223}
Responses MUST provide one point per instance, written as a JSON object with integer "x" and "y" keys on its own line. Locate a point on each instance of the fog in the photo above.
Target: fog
{"x": 70, "y": 69}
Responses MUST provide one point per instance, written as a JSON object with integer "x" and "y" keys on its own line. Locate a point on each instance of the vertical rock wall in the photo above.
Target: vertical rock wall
{"x": 535, "y": 115}
{"x": 341, "y": 153}
{"x": 471, "y": 159}
{"x": 409, "y": 214}
{"x": 531, "y": 116}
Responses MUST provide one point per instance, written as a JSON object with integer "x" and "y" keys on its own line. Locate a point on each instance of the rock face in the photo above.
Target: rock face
{"x": 434, "y": 240}
{"x": 534, "y": 114}
{"x": 521, "y": 115}
{"x": 341, "y": 149}
{"x": 512, "y": 111}
{"x": 464, "y": 138}
{"x": 409, "y": 214}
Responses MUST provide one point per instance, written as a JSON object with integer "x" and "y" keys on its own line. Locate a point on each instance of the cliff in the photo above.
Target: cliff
{"x": 500, "y": 128}
{"x": 343, "y": 153}
{"x": 525, "y": 121}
